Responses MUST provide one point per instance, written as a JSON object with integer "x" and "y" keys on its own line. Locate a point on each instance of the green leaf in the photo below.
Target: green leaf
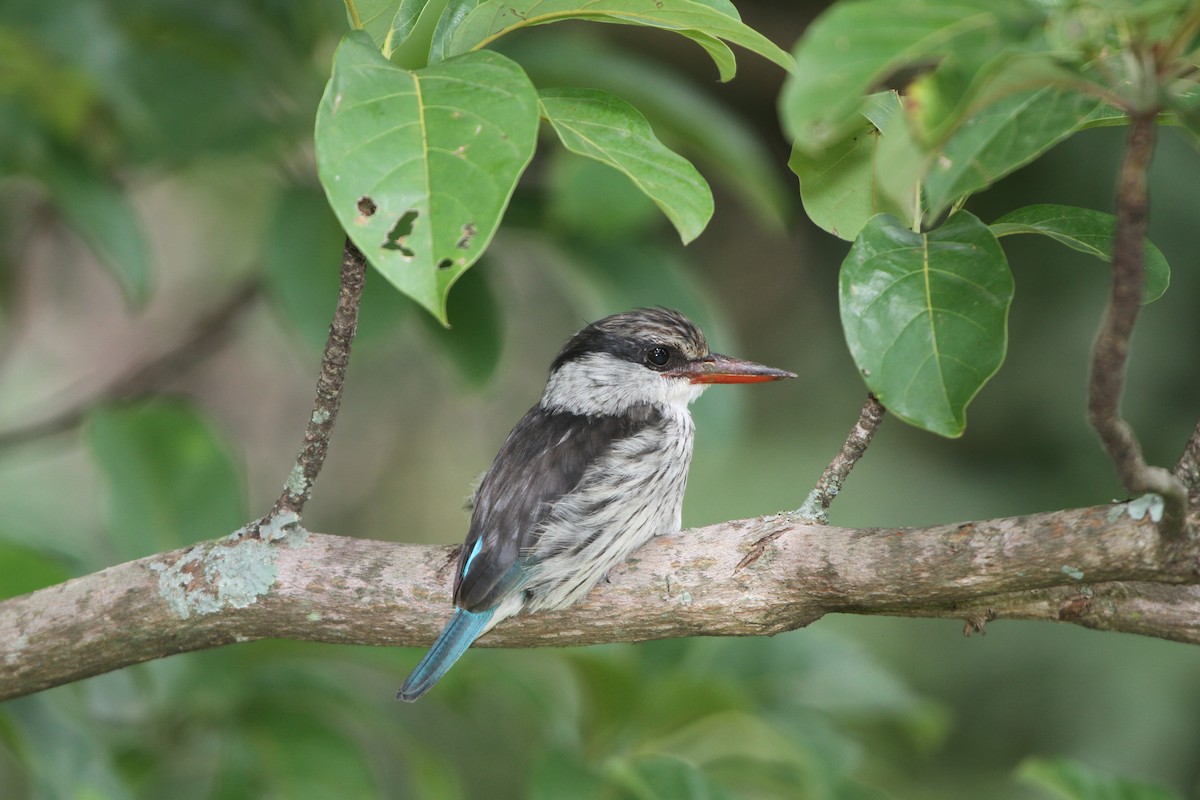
{"x": 1087, "y": 231}
{"x": 1006, "y": 135}
{"x": 851, "y": 47}
{"x": 926, "y": 316}
{"x": 170, "y": 477}
{"x": 301, "y": 259}
{"x": 604, "y": 127}
{"x": 725, "y": 146}
{"x": 100, "y": 212}
{"x": 960, "y": 87}
{"x": 701, "y": 22}
{"x": 588, "y": 200}
{"x": 839, "y": 186}
{"x": 377, "y": 17}
{"x": 419, "y": 165}
{"x": 403, "y": 24}
{"x": 1065, "y": 779}
{"x": 452, "y": 16}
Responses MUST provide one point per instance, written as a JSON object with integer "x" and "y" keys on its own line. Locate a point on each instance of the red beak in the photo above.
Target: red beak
{"x": 716, "y": 368}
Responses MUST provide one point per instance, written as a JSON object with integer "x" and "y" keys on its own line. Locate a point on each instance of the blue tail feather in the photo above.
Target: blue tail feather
{"x": 463, "y": 629}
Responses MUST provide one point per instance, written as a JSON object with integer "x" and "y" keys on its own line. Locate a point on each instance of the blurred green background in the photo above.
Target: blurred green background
{"x": 155, "y": 156}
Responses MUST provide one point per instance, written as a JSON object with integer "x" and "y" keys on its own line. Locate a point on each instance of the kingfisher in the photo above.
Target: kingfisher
{"x": 595, "y": 470}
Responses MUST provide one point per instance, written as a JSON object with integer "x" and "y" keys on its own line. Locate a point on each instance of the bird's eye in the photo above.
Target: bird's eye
{"x": 658, "y": 357}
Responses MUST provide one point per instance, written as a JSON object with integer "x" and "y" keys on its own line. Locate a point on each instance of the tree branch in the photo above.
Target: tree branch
{"x": 1111, "y": 351}
{"x": 816, "y": 505}
{"x": 308, "y": 464}
{"x": 747, "y": 577}
{"x": 1163, "y": 611}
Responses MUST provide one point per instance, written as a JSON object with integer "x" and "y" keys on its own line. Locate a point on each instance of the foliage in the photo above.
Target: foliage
{"x": 985, "y": 89}
{"x": 419, "y": 164}
{"x": 104, "y": 103}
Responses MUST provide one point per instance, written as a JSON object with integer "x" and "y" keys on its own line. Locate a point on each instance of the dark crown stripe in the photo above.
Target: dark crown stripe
{"x": 628, "y": 335}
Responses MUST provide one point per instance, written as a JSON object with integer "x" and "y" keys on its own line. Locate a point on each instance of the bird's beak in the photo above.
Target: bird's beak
{"x": 716, "y": 368}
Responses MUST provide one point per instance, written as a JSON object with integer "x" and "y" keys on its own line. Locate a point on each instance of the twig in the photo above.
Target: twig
{"x": 208, "y": 335}
{"x": 300, "y": 482}
{"x": 816, "y": 505}
{"x": 1111, "y": 351}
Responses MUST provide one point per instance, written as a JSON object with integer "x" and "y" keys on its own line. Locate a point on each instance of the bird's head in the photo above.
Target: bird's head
{"x": 652, "y": 356}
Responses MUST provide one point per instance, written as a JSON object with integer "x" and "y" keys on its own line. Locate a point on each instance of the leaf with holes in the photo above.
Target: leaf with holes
{"x": 705, "y": 23}
{"x": 602, "y": 126}
{"x": 1087, "y": 231}
{"x": 926, "y": 316}
{"x": 419, "y": 165}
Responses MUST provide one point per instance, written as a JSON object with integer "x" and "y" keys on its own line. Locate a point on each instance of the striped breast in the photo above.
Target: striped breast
{"x": 631, "y": 494}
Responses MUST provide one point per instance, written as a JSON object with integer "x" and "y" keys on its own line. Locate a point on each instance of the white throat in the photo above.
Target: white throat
{"x": 602, "y": 384}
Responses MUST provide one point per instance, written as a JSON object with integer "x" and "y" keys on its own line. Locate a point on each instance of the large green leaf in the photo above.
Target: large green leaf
{"x": 725, "y": 146}
{"x": 604, "y": 127}
{"x": 1004, "y": 136}
{"x": 851, "y": 47}
{"x": 1087, "y": 231}
{"x": 926, "y": 316}
{"x": 705, "y": 24}
{"x": 1064, "y": 779}
{"x": 839, "y": 185}
{"x": 171, "y": 478}
{"x": 419, "y": 165}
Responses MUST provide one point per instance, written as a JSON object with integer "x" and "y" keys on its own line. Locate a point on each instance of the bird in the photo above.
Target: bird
{"x": 591, "y": 473}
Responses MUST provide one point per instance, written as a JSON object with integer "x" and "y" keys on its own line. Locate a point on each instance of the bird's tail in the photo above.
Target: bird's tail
{"x": 463, "y": 629}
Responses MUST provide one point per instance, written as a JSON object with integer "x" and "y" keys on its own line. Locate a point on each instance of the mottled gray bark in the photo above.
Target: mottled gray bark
{"x": 1099, "y": 567}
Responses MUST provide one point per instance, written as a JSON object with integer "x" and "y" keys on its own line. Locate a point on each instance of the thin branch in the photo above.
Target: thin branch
{"x": 207, "y": 336}
{"x": 816, "y": 505}
{"x": 304, "y": 473}
{"x": 1111, "y": 352}
{"x": 747, "y": 577}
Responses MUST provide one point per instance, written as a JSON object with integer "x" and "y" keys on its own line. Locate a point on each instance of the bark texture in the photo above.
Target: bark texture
{"x": 1104, "y": 567}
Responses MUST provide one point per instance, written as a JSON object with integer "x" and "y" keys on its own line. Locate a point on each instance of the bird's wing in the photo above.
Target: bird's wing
{"x": 543, "y": 459}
